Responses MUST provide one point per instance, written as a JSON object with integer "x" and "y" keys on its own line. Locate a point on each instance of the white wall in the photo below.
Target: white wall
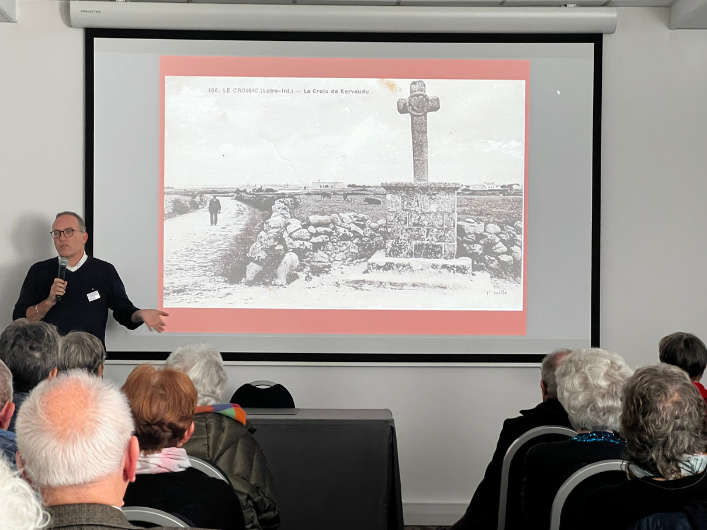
{"x": 653, "y": 248}
{"x": 654, "y": 244}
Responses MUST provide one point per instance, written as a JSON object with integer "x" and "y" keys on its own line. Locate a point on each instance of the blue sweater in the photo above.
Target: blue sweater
{"x": 76, "y": 312}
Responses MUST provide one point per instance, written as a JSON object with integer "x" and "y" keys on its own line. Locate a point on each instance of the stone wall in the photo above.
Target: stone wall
{"x": 496, "y": 248}
{"x": 179, "y": 205}
{"x": 288, "y": 247}
{"x": 259, "y": 201}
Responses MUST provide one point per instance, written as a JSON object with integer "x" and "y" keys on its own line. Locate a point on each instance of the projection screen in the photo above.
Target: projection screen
{"x": 348, "y": 197}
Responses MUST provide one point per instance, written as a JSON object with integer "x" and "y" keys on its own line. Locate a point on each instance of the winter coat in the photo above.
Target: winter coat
{"x": 231, "y": 445}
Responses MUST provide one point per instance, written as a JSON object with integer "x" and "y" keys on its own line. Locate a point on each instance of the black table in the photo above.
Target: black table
{"x": 334, "y": 469}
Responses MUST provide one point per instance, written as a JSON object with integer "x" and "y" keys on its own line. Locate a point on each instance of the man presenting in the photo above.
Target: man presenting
{"x": 91, "y": 288}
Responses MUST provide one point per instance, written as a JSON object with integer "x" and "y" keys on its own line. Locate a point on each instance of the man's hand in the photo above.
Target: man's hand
{"x": 152, "y": 319}
{"x": 58, "y": 289}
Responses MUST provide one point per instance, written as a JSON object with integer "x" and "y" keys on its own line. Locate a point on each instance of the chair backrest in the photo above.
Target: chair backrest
{"x": 521, "y": 442}
{"x": 208, "y": 468}
{"x": 263, "y": 394}
{"x": 142, "y": 514}
{"x": 575, "y": 480}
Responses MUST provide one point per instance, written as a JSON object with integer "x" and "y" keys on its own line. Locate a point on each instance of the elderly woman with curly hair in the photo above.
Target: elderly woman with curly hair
{"x": 162, "y": 403}
{"x": 589, "y": 386}
{"x": 222, "y": 436}
{"x": 665, "y": 428}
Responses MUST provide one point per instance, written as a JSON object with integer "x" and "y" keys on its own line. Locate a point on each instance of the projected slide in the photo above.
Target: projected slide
{"x": 321, "y": 195}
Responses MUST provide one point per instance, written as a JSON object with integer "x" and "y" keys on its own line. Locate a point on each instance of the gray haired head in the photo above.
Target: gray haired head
{"x": 82, "y": 223}
{"x": 80, "y": 350}
{"x": 204, "y": 366}
{"x": 548, "y": 368}
{"x": 5, "y": 385}
{"x": 30, "y": 351}
{"x": 589, "y": 386}
{"x": 663, "y": 419}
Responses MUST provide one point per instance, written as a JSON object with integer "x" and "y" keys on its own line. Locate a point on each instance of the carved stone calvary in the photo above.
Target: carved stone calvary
{"x": 421, "y": 216}
{"x": 418, "y": 105}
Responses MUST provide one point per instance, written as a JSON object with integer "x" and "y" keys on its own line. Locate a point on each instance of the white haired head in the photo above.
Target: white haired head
{"x": 73, "y": 429}
{"x": 589, "y": 386}
{"x": 204, "y": 366}
{"x": 21, "y": 508}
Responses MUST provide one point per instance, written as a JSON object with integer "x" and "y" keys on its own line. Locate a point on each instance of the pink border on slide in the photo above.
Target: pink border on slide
{"x": 344, "y": 321}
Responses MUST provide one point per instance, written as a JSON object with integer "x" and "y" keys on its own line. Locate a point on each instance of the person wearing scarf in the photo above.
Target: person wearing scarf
{"x": 224, "y": 437}
{"x": 162, "y": 402}
{"x": 665, "y": 428}
{"x": 589, "y": 386}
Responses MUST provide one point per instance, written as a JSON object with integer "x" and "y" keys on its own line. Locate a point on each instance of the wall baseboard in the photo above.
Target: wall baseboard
{"x": 430, "y": 513}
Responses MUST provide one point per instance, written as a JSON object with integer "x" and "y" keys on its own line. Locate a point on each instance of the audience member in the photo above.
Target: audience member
{"x": 31, "y": 352}
{"x": 8, "y": 440}
{"x": 482, "y": 513}
{"x": 83, "y": 351}
{"x": 20, "y": 508}
{"x": 222, "y": 436}
{"x": 589, "y": 385}
{"x": 665, "y": 428}
{"x": 685, "y": 351}
{"x": 74, "y": 434}
{"x": 163, "y": 402}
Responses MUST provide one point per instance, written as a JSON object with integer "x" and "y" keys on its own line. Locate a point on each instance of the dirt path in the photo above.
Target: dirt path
{"x": 193, "y": 250}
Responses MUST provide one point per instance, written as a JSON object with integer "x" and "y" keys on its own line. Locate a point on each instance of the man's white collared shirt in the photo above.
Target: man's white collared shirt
{"x": 78, "y": 265}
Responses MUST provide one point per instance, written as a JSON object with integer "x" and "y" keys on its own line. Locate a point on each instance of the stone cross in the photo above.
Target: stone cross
{"x": 418, "y": 105}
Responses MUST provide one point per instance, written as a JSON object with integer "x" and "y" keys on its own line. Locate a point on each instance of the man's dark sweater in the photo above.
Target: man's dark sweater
{"x": 76, "y": 312}
{"x": 482, "y": 513}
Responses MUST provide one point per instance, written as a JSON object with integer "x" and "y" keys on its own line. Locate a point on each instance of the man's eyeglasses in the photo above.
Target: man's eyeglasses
{"x": 68, "y": 232}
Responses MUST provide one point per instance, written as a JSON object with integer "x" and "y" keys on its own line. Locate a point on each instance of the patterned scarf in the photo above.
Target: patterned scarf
{"x": 235, "y": 412}
{"x": 598, "y": 436}
{"x": 169, "y": 460}
{"x": 690, "y": 465}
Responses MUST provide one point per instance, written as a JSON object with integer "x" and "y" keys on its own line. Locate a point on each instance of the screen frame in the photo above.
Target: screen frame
{"x": 403, "y": 358}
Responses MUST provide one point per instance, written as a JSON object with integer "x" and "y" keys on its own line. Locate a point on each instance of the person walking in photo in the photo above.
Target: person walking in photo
{"x": 214, "y": 210}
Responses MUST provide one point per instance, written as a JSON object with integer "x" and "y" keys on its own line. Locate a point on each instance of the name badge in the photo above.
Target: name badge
{"x": 94, "y": 295}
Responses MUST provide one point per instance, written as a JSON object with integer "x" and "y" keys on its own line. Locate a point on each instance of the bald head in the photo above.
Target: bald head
{"x": 73, "y": 430}
{"x": 547, "y": 371}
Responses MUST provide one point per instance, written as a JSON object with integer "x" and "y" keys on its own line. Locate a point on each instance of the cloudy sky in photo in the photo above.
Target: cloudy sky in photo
{"x": 227, "y": 139}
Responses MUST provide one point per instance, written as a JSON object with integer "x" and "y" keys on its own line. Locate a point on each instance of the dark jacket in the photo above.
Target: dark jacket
{"x": 232, "y": 447}
{"x": 8, "y": 446}
{"x": 214, "y": 206}
{"x": 626, "y": 504}
{"x": 89, "y": 517}
{"x": 548, "y": 465}
{"x": 665, "y": 521}
{"x": 205, "y": 501}
{"x": 17, "y": 398}
{"x": 482, "y": 513}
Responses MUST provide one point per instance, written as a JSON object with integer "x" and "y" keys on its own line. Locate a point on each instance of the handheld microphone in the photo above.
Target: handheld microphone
{"x": 63, "y": 263}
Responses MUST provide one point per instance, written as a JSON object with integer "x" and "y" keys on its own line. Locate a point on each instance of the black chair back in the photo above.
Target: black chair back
{"x": 570, "y": 497}
{"x": 208, "y": 468}
{"x": 263, "y": 394}
{"x": 510, "y": 509}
